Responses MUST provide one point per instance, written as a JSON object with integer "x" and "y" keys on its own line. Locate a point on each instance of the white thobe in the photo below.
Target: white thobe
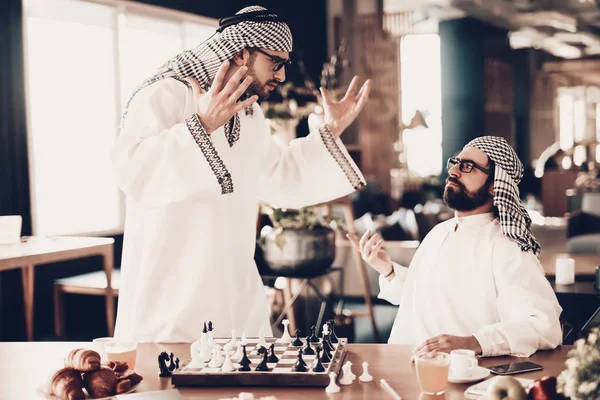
{"x": 467, "y": 278}
{"x": 192, "y": 201}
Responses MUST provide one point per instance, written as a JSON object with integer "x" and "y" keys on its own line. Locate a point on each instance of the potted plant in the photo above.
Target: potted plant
{"x": 579, "y": 381}
{"x": 301, "y": 243}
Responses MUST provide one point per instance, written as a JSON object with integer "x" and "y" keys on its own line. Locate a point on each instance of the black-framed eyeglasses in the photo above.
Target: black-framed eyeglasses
{"x": 279, "y": 62}
{"x": 465, "y": 166}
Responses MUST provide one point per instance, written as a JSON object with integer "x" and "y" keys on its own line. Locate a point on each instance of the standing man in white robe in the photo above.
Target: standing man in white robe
{"x": 194, "y": 158}
{"x": 475, "y": 281}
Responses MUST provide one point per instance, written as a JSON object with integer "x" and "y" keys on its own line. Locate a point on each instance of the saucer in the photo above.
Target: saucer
{"x": 478, "y": 374}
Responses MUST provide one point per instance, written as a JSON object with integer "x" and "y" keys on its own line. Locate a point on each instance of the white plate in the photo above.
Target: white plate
{"x": 42, "y": 390}
{"x": 479, "y": 373}
{"x": 478, "y": 390}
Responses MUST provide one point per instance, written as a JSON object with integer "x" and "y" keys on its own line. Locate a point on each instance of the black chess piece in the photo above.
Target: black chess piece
{"x": 204, "y": 330}
{"x": 327, "y": 342}
{"x": 272, "y": 357}
{"x": 326, "y": 356}
{"x": 313, "y": 335}
{"x": 210, "y": 328}
{"x": 162, "y": 365}
{"x": 262, "y": 366}
{"x": 172, "y": 364}
{"x": 300, "y": 365}
{"x": 244, "y": 361}
{"x": 177, "y": 363}
{"x": 318, "y": 365}
{"x": 333, "y": 336}
{"x": 297, "y": 342}
{"x": 260, "y": 350}
{"x": 307, "y": 349}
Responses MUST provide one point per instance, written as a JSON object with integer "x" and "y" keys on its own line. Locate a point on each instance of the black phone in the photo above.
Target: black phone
{"x": 515, "y": 368}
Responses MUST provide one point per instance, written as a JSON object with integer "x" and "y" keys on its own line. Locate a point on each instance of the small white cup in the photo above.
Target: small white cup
{"x": 565, "y": 271}
{"x": 10, "y": 229}
{"x": 462, "y": 363}
{"x": 98, "y": 345}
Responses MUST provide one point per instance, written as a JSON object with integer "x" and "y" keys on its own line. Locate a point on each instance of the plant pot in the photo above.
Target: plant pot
{"x": 296, "y": 252}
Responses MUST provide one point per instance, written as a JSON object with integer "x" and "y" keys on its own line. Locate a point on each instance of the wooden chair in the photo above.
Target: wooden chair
{"x": 93, "y": 284}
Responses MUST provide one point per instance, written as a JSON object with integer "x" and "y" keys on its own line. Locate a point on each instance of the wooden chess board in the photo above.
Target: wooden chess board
{"x": 279, "y": 374}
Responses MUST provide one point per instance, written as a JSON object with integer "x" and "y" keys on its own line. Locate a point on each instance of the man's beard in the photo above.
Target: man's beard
{"x": 256, "y": 87}
{"x": 460, "y": 199}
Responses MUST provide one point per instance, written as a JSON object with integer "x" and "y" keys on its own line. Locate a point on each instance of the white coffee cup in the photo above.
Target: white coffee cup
{"x": 98, "y": 346}
{"x": 10, "y": 229}
{"x": 462, "y": 363}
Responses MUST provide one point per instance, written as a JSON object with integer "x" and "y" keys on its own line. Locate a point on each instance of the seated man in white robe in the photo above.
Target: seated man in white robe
{"x": 194, "y": 157}
{"x": 475, "y": 281}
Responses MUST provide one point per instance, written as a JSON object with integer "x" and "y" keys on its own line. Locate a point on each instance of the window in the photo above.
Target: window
{"x": 422, "y": 90}
{"x": 83, "y": 61}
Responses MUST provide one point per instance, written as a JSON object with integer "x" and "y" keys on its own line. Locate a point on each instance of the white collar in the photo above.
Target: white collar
{"x": 470, "y": 221}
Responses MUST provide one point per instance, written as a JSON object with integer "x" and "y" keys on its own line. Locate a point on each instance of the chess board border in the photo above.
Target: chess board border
{"x": 257, "y": 378}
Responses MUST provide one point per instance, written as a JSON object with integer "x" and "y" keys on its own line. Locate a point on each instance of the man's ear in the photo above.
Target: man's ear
{"x": 492, "y": 188}
{"x": 241, "y": 58}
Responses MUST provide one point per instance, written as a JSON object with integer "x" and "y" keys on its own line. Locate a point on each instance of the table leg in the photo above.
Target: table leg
{"x": 110, "y": 299}
{"x": 59, "y": 316}
{"x": 28, "y": 285}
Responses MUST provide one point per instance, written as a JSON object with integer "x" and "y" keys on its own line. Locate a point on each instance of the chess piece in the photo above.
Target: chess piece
{"x": 211, "y": 340}
{"x": 244, "y": 339}
{"x": 162, "y": 365}
{"x": 332, "y": 388}
{"x": 227, "y": 364}
{"x": 318, "y": 366}
{"x": 313, "y": 335}
{"x": 297, "y": 342}
{"x": 327, "y": 342}
{"x": 244, "y": 361}
{"x": 365, "y": 377}
{"x": 177, "y": 363}
{"x": 195, "y": 352}
{"x": 272, "y": 357}
{"x": 172, "y": 364}
{"x": 347, "y": 375}
{"x": 285, "y": 338}
{"x": 300, "y": 365}
{"x": 205, "y": 352}
{"x": 231, "y": 344}
{"x": 307, "y": 349}
{"x": 237, "y": 356}
{"x": 262, "y": 366}
{"x": 326, "y": 356}
{"x": 214, "y": 361}
{"x": 333, "y": 336}
{"x": 261, "y": 337}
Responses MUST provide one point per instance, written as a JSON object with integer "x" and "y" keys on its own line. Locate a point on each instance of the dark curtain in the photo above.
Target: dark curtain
{"x": 14, "y": 171}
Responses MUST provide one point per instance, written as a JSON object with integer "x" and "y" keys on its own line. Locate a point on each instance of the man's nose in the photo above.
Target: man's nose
{"x": 280, "y": 75}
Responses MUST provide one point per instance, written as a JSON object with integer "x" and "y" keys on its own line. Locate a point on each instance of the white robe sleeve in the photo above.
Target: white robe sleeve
{"x": 528, "y": 309}
{"x": 161, "y": 156}
{"x": 310, "y": 170}
{"x": 391, "y": 290}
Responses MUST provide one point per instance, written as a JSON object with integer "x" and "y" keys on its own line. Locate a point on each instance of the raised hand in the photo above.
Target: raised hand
{"x": 370, "y": 248}
{"x": 219, "y": 104}
{"x": 340, "y": 114}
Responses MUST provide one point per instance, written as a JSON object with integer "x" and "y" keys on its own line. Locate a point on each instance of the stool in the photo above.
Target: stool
{"x": 93, "y": 284}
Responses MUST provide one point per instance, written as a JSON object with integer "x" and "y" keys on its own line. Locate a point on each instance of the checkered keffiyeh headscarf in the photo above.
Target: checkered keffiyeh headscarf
{"x": 203, "y": 61}
{"x": 514, "y": 220}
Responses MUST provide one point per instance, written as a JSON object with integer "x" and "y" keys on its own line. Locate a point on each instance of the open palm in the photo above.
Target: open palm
{"x": 340, "y": 114}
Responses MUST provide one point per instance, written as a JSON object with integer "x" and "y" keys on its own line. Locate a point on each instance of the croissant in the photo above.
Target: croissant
{"x": 66, "y": 383}
{"x": 129, "y": 375}
{"x": 100, "y": 382}
{"x": 123, "y": 386}
{"x": 83, "y": 360}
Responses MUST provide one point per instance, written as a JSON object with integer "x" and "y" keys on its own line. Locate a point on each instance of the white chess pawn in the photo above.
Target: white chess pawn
{"x": 325, "y": 329}
{"x": 227, "y": 365}
{"x": 231, "y": 344}
{"x": 285, "y": 338}
{"x": 261, "y": 337}
{"x": 244, "y": 339}
{"x": 239, "y": 353}
{"x": 214, "y": 361}
{"x": 246, "y": 396}
{"x": 332, "y": 388}
{"x": 220, "y": 356}
{"x": 365, "y": 377}
{"x": 347, "y": 376}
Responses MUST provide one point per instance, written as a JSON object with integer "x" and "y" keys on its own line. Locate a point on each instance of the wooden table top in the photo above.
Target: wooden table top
{"x": 24, "y": 366}
{"x": 585, "y": 264}
{"x": 42, "y": 249}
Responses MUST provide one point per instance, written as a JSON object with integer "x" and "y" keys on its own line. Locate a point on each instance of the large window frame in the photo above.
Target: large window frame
{"x": 187, "y": 22}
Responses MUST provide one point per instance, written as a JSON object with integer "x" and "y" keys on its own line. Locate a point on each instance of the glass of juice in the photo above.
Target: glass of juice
{"x": 432, "y": 371}
{"x": 121, "y": 351}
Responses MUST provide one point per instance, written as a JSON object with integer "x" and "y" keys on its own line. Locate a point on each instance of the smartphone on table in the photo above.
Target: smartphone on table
{"x": 515, "y": 368}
